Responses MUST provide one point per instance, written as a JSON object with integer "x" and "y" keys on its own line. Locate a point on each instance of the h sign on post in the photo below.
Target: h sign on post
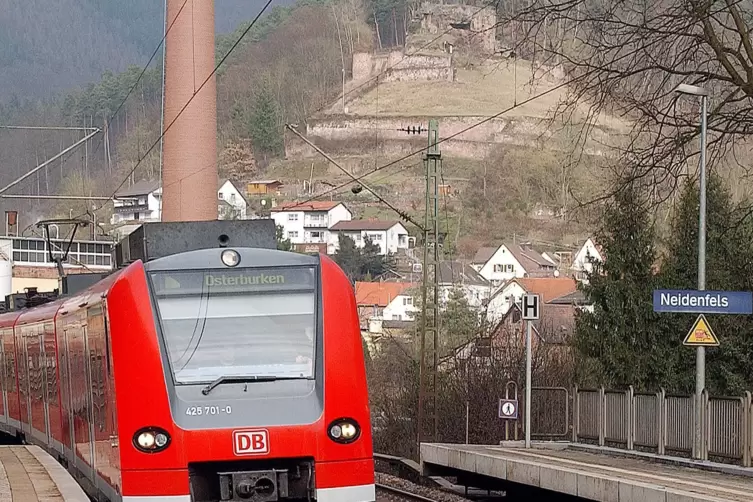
{"x": 531, "y": 307}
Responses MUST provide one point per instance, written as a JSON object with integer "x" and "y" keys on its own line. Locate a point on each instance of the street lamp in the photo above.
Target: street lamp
{"x": 700, "y": 359}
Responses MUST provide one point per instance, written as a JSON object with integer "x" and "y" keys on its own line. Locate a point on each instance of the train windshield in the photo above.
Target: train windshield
{"x": 238, "y": 322}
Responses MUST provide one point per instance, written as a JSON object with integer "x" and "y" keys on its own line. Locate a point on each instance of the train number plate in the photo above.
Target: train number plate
{"x": 251, "y": 442}
{"x": 196, "y": 411}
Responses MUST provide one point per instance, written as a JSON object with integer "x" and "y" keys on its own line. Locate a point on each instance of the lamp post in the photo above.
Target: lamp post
{"x": 700, "y": 360}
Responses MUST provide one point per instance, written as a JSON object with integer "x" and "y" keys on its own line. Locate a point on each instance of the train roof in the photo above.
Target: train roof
{"x": 44, "y": 312}
{"x": 250, "y": 257}
{"x": 93, "y": 292}
{"x": 8, "y": 319}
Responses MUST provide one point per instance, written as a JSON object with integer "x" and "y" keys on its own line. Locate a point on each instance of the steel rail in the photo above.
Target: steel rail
{"x": 403, "y": 493}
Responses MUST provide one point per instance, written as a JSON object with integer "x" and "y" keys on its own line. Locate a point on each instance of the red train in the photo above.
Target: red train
{"x": 214, "y": 374}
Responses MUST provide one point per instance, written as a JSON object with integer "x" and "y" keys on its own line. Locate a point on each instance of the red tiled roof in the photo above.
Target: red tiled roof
{"x": 364, "y": 225}
{"x": 314, "y": 205}
{"x": 548, "y": 287}
{"x": 379, "y": 293}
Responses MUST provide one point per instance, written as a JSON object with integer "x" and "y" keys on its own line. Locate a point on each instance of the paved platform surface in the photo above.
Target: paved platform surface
{"x": 593, "y": 476}
{"x": 29, "y": 474}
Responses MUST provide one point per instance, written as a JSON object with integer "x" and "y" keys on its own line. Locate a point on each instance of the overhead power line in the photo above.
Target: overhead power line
{"x": 49, "y": 161}
{"x": 402, "y": 214}
{"x": 196, "y": 92}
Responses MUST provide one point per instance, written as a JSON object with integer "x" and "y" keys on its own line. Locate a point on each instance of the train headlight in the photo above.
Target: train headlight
{"x": 230, "y": 258}
{"x": 151, "y": 440}
{"x": 344, "y": 430}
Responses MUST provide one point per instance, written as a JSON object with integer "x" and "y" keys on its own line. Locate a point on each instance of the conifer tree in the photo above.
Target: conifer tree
{"x": 618, "y": 344}
{"x": 263, "y": 126}
{"x": 729, "y": 368}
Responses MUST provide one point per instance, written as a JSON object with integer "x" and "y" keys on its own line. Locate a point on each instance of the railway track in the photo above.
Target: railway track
{"x": 396, "y": 494}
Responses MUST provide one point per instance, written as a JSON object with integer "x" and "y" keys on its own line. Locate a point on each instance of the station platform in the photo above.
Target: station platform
{"x": 29, "y": 474}
{"x": 589, "y": 474}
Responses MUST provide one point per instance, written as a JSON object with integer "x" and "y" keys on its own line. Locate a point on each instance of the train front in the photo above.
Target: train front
{"x": 265, "y": 396}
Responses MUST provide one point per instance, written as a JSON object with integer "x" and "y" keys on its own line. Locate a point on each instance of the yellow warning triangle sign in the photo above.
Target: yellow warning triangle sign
{"x": 701, "y": 334}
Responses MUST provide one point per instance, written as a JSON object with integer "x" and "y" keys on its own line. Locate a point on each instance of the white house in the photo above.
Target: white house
{"x": 510, "y": 261}
{"x": 231, "y": 203}
{"x": 310, "y": 222}
{"x": 138, "y": 203}
{"x": 455, "y": 274}
{"x": 581, "y": 262}
{"x": 388, "y": 301}
{"x": 388, "y": 235}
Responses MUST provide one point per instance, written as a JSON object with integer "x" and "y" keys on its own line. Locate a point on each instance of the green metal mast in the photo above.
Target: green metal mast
{"x": 427, "y": 392}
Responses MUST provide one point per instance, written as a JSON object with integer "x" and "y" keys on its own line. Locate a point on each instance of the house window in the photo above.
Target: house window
{"x": 232, "y": 197}
{"x": 509, "y": 268}
{"x": 219, "y": 195}
{"x": 316, "y": 235}
{"x": 293, "y": 234}
{"x": 498, "y": 268}
{"x": 142, "y": 201}
{"x": 408, "y": 300}
{"x": 293, "y": 217}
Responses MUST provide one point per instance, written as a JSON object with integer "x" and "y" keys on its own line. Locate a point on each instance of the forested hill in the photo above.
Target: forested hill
{"x": 51, "y": 46}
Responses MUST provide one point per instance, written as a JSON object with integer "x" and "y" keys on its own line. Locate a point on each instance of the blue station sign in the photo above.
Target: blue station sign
{"x": 703, "y": 302}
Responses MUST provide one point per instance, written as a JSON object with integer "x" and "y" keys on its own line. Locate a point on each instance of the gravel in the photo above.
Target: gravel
{"x": 402, "y": 484}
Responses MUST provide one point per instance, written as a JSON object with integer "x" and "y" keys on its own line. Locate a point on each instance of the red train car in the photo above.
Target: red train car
{"x": 208, "y": 375}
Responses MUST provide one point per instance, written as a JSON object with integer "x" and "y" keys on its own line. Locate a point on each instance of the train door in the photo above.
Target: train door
{"x": 66, "y": 397}
{"x": 111, "y": 408}
{"x": 24, "y": 385}
{"x": 43, "y": 363}
{"x": 87, "y": 434}
{"x": 3, "y": 389}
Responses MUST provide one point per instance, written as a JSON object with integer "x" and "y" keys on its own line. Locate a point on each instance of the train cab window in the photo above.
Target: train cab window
{"x": 245, "y": 322}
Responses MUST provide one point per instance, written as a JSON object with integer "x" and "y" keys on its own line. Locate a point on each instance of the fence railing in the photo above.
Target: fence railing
{"x": 664, "y": 423}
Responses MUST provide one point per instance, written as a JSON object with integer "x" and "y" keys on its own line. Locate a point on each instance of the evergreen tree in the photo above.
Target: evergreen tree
{"x": 283, "y": 244}
{"x": 265, "y": 133}
{"x": 459, "y": 322}
{"x": 728, "y": 267}
{"x": 620, "y": 343}
{"x": 361, "y": 264}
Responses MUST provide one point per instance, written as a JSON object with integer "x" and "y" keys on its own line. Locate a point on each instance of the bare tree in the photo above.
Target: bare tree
{"x": 625, "y": 58}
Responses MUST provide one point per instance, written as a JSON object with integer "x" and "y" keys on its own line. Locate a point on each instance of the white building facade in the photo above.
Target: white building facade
{"x": 512, "y": 261}
{"x": 310, "y": 223}
{"x": 142, "y": 202}
{"x": 236, "y": 205}
{"x": 582, "y": 265}
{"x": 138, "y": 203}
{"x": 390, "y": 236}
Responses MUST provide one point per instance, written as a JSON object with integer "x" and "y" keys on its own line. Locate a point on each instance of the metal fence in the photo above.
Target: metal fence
{"x": 664, "y": 423}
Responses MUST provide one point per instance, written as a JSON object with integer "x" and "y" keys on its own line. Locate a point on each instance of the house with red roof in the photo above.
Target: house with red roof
{"x": 309, "y": 223}
{"x": 389, "y": 301}
{"x": 511, "y": 293}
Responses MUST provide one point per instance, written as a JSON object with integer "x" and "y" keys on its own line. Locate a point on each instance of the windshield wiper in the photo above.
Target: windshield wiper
{"x": 244, "y": 379}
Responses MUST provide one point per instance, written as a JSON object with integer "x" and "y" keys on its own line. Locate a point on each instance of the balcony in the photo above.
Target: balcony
{"x": 315, "y": 223}
{"x": 137, "y": 208}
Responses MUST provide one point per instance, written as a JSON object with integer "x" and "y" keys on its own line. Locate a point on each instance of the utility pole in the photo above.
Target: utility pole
{"x": 427, "y": 391}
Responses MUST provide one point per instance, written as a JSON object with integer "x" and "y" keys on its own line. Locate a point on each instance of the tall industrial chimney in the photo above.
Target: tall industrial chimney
{"x": 189, "y": 158}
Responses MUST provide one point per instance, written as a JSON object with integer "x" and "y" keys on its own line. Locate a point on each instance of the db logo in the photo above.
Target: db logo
{"x": 251, "y": 442}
